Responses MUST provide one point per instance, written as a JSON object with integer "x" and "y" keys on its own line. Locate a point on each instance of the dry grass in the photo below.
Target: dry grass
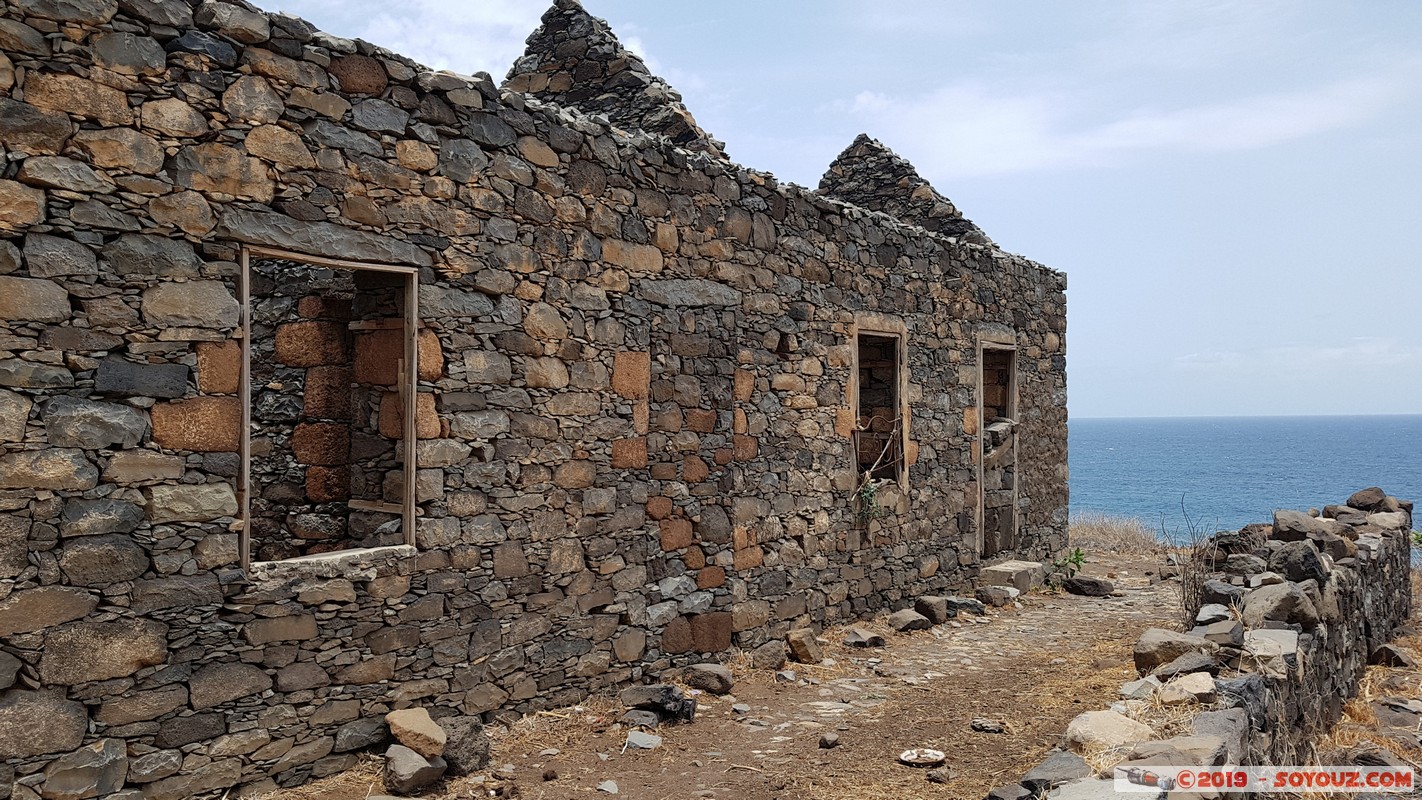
{"x": 1117, "y": 535}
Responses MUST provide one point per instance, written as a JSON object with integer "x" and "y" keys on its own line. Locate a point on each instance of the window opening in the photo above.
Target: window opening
{"x": 330, "y": 393}
{"x": 879, "y": 435}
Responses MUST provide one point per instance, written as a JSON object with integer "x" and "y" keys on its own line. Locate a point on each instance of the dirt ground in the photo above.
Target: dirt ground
{"x": 1031, "y": 668}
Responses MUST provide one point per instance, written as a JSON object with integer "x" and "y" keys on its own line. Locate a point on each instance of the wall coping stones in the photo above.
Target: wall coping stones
{"x": 364, "y": 564}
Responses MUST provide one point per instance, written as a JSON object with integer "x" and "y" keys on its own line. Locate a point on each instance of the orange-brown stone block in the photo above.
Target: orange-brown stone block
{"x": 323, "y": 444}
{"x": 219, "y": 367}
{"x": 694, "y": 470}
{"x": 694, "y": 557}
{"x": 663, "y": 472}
{"x": 677, "y": 637}
{"x": 710, "y": 578}
{"x": 199, "y": 424}
{"x": 328, "y": 484}
{"x": 745, "y": 385}
{"x": 392, "y": 418}
{"x": 632, "y": 374}
{"x": 317, "y": 306}
{"x": 743, "y": 537}
{"x": 749, "y": 558}
{"x": 745, "y": 447}
{"x": 723, "y": 456}
{"x": 311, "y": 344}
{"x": 711, "y": 633}
{"x": 844, "y": 422}
{"x": 328, "y": 393}
{"x": 700, "y": 420}
{"x": 739, "y": 423}
{"x": 378, "y": 355}
{"x": 629, "y": 453}
{"x": 675, "y": 534}
{"x": 659, "y": 507}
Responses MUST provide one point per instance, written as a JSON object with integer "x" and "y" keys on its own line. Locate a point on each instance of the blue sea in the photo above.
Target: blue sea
{"x": 1226, "y": 472}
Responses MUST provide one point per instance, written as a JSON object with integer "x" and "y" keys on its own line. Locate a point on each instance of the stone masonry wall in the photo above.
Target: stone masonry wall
{"x": 634, "y": 408}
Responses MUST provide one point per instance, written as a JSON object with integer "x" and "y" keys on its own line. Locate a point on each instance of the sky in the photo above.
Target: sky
{"x": 1234, "y": 189}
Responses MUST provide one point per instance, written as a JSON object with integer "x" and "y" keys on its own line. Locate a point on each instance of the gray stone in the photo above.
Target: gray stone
{"x": 909, "y": 620}
{"x": 119, "y": 376}
{"x": 968, "y": 604}
{"x": 97, "y": 770}
{"x": 1100, "y": 730}
{"x": 935, "y": 609}
{"x": 1024, "y": 576}
{"x": 1226, "y": 633}
{"x": 194, "y": 783}
{"x": 1088, "y": 586}
{"x": 407, "y": 772}
{"x": 413, "y": 728}
{"x": 379, "y": 116}
{"x": 94, "y": 214}
{"x": 1143, "y": 689}
{"x": 14, "y": 545}
{"x": 190, "y": 503}
{"x": 220, "y": 683}
{"x": 1198, "y": 750}
{"x": 607, "y": 787}
{"x": 17, "y": 37}
{"x": 51, "y": 256}
{"x": 361, "y": 734}
{"x": 55, "y": 172}
{"x": 1221, "y": 593}
{"x": 43, "y": 607}
{"x": 102, "y": 560}
{"x": 28, "y": 129}
{"x": 9, "y": 670}
{"x": 466, "y": 749}
{"x": 1282, "y": 602}
{"x": 91, "y": 425}
{"x": 235, "y": 22}
{"x": 1230, "y": 726}
{"x": 142, "y": 254}
{"x": 489, "y": 131}
{"x": 996, "y": 596}
{"x": 1015, "y": 791}
{"x": 333, "y": 241}
{"x": 1157, "y": 646}
{"x": 155, "y": 766}
{"x": 48, "y": 469}
{"x": 182, "y": 591}
{"x": 35, "y": 723}
{"x": 1299, "y": 561}
{"x": 9, "y": 258}
{"x": 129, "y": 53}
{"x": 88, "y": 12}
{"x": 81, "y": 652}
{"x": 251, "y": 99}
{"x": 105, "y": 515}
{"x": 1367, "y": 499}
{"x": 1058, "y": 768}
{"x": 336, "y": 137}
{"x": 14, "y": 413}
{"x": 207, "y": 45}
{"x": 688, "y": 292}
{"x": 712, "y": 678}
{"x": 461, "y": 160}
{"x": 643, "y": 741}
{"x": 771, "y": 655}
{"x": 1186, "y": 663}
{"x": 1390, "y": 655}
{"x": 196, "y": 304}
{"x": 1211, "y": 613}
{"x": 29, "y": 375}
{"x": 33, "y": 299}
{"x": 862, "y": 637}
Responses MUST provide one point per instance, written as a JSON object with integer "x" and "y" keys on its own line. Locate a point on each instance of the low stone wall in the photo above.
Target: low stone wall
{"x": 1288, "y": 616}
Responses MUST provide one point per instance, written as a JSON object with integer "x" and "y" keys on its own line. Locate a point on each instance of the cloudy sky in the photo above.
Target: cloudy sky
{"x": 1234, "y": 188}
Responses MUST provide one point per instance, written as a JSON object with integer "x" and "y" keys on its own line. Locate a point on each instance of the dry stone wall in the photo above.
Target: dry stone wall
{"x": 635, "y": 427}
{"x": 1287, "y": 616}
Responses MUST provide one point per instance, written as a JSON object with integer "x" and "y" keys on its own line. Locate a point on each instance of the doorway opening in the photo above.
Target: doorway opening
{"x": 997, "y": 433}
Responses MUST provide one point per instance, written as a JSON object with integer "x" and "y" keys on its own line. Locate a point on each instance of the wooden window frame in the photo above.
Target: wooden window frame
{"x": 408, "y": 387}
{"x": 868, "y": 324}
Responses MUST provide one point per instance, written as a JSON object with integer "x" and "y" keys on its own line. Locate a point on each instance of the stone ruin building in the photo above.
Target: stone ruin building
{"x": 331, "y": 385}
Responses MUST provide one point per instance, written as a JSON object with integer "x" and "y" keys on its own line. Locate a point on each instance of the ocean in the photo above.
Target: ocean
{"x": 1226, "y": 472}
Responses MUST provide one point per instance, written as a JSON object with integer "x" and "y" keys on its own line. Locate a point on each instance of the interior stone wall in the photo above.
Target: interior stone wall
{"x": 635, "y": 430}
